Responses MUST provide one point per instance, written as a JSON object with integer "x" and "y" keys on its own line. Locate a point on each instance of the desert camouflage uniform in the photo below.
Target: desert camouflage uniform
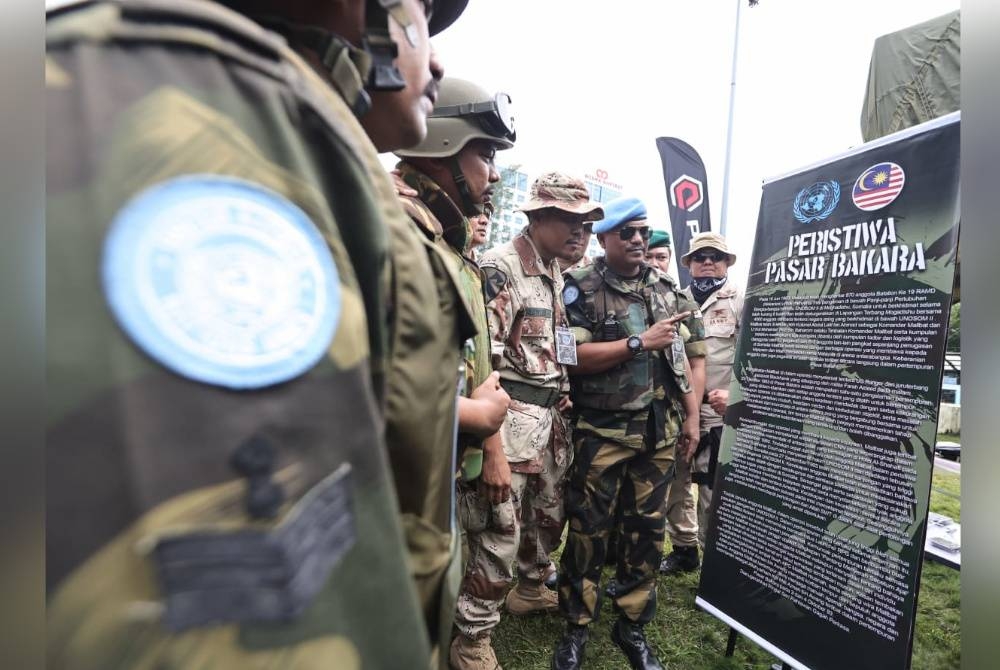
{"x": 722, "y": 312}
{"x": 628, "y": 419}
{"x": 429, "y": 323}
{"x": 523, "y": 308}
{"x": 194, "y": 522}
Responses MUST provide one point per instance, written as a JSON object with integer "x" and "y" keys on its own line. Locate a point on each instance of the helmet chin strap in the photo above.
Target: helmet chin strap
{"x": 384, "y": 75}
{"x": 356, "y": 71}
{"x": 469, "y": 206}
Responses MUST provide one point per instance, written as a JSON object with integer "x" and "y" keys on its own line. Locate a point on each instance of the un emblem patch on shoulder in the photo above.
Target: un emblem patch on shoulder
{"x": 222, "y": 281}
{"x": 816, "y": 202}
{"x": 570, "y": 293}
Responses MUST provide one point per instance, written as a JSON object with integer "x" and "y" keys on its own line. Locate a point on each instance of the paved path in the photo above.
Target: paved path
{"x": 946, "y": 465}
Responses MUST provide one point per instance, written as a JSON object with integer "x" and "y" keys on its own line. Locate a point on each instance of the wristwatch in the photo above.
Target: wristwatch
{"x": 634, "y": 343}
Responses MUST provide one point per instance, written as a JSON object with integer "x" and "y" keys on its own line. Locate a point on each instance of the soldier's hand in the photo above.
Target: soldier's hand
{"x": 492, "y": 402}
{"x": 690, "y": 435}
{"x": 565, "y": 404}
{"x": 495, "y": 481}
{"x": 662, "y": 333}
{"x": 719, "y": 400}
{"x": 402, "y": 188}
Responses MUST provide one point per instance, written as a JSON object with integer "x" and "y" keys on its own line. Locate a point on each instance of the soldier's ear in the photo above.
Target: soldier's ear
{"x": 600, "y": 239}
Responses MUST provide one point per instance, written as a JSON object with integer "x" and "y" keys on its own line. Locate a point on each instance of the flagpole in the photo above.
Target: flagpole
{"x": 729, "y": 132}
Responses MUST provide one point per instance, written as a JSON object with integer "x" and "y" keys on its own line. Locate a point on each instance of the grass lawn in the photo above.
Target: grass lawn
{"x": 687, "y": 638}
{"x": 949, "y": 437}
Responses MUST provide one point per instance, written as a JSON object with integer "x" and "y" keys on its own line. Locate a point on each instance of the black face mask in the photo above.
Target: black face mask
{"x": 702, "y": 287}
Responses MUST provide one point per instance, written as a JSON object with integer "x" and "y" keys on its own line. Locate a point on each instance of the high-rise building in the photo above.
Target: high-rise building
{"x": 507, "y": 222}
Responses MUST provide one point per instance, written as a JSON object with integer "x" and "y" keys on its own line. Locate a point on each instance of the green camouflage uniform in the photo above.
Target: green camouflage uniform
{"x": 628, "y": 419}
{"x": 429, "y": 322}
{"x": 722, "y": 313}
{"x": 523, "y": 309}
{"x": 214, "y": 517}
{"x": 679, "y": 507}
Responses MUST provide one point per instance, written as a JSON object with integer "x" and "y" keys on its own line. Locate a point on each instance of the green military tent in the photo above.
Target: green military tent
{"x": 913, "y": 77}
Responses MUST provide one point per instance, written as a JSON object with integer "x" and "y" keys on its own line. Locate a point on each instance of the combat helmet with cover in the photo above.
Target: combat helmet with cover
{"x": 464, "y": 112}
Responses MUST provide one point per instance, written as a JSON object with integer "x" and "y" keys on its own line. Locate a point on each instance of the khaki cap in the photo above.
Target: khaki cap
{"x": 570, "y": 194}
{"x": 707, "y": 241}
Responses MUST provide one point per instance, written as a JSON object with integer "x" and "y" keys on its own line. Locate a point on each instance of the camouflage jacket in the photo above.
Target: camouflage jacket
{"x": 692, "y": 329}
{"x": 722, "y": 312}
{"x": 216, "y": 238}
{"x": 523, "y": 308}
{"x": 602, "y": 307}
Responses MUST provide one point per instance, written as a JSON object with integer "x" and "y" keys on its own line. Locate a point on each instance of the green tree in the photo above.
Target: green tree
{"x": 955, "y": 328}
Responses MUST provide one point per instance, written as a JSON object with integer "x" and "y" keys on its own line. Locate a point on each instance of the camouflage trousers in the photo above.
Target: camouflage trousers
{"x": 605, "y": 476}
{"x": 523, "y": 531}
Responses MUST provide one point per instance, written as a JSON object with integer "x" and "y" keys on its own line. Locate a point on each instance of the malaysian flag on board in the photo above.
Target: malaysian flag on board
{"x": 878, "y": 186}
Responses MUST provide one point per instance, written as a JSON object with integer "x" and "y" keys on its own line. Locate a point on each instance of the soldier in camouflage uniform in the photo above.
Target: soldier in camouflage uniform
{"x": 516, "y": 515}
{"x": 216, "y": 240}
{"x": 633, "y": 403}
{"x": 679, "y": 507}
{"x": 450, "y": 173}
{"x": 721, "y": 301}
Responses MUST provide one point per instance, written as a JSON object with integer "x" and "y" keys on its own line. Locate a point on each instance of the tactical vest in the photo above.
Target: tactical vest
{"x": 217, "y": 488}
{"x": 609, "y": 310}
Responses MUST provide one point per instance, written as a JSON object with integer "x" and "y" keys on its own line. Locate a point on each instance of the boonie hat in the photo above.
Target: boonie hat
{"x": 707, "y": 241}
{"x": 570, "y": 194}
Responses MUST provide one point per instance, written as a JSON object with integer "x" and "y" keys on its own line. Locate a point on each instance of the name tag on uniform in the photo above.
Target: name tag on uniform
{"x": 565, "y": 346}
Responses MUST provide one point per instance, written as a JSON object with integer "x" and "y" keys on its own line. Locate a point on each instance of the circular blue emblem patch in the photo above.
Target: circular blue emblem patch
{"x": 570, "y": 294}
{"x": 222, "y": 281}
{"x": 816, "y": 202}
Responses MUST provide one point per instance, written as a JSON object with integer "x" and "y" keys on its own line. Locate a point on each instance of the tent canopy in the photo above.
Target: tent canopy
{"x": 913, "y": 77}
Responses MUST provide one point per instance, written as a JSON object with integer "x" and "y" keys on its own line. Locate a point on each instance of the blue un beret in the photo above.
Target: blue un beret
{"x": 619, "y": 211}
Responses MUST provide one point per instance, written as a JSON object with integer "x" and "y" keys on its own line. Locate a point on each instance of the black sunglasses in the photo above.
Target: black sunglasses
{"x": 496, "y": 116}
{"x": 715, "y": 256}
{"x": 625, "y": 234}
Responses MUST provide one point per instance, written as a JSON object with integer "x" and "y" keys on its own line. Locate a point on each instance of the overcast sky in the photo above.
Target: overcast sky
{"x": 594, "y": 83}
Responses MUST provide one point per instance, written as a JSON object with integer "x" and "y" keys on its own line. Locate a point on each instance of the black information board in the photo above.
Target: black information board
{"x": 821, "y": 498}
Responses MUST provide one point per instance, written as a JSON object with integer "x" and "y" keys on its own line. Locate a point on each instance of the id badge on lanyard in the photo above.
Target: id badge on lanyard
{"x": 565, "y": 346}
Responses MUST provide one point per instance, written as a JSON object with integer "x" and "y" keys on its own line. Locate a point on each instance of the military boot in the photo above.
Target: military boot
{"x": 531, "y": 598}
{"x": 552, "y": 581}
{"x": 569, "y": 652}
{"x": 681, "y": 559}
{"x": 472, "y": 654}
{"x": 631, "y": 640}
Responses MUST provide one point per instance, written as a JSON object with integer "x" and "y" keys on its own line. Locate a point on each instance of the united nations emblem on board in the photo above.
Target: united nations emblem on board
{"x": 816, "y": 202}
{"x": 222, "y": 281}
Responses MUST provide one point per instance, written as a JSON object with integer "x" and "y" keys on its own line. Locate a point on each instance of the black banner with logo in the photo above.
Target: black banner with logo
{"x": 687, "y": 196}
{"x": 820, "y": 503}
